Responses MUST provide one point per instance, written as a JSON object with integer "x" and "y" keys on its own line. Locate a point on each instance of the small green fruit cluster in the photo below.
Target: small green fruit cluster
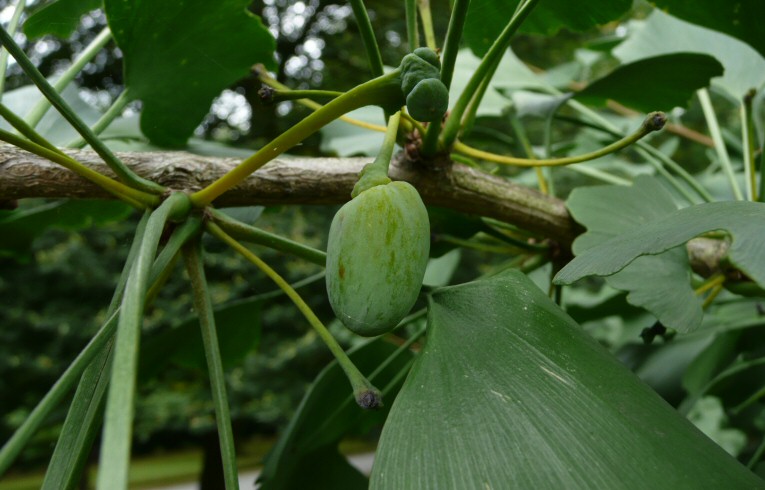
{"x": 376, "y": 256}
{"x": 427, "y": 98}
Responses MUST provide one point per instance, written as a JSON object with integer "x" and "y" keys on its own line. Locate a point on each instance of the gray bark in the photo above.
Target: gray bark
{"x": 318, "y": 181}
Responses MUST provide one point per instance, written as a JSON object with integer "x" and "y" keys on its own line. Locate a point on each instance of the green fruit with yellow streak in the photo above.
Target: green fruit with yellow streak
{"x": 376, "y": 256}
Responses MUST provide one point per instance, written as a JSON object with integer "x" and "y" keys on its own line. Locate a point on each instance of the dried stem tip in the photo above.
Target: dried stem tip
{"x": 654, "y": 121}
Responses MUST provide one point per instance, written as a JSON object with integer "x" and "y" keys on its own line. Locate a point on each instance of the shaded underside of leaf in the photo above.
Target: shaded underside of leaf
{"x": 653, "y": 84}
{"x": 741, "y": 19}
{"x": 510, "y": 393}
{"x": 58, "y": 18}
{"x": 742, "y": 220}
{"x": 179, "y": 55}
{"x": 487, "y": 18}
{"x": 662, "y": 34}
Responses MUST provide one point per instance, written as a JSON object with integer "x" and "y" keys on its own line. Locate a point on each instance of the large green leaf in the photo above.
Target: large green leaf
{"x": 741, "y": 19}
{"x": 662, "y": 34}
{"x": 659, "y": 283}
{"x": 510, "y": 393}
{"x": 654, "y": 84}
{"x": 179, "y": 55}
{"x": 59, "y": 18}
{"x": 487, "y": 18}
{"x": 306, "y": 454}
{"x": 20, "y": 227}
{"x": 742, "y": 220}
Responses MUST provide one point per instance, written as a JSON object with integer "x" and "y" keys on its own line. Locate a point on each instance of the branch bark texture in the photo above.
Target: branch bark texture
{"x": 295, "y": 181}
{"x": 318, "y": 181}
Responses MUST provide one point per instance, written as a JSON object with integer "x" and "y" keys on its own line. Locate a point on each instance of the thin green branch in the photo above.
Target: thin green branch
{"x": 651, "y": 154}
{"x": 520, "y": 134}
{"x": 748, "y": 139}
{"x": 122, "y": 171}
{"x": 722, "y": 151}
{"x": 39, "y": 110}
{"x": 600, "y": 175}
{"x": 113, "y": 112}
{"x": 378, "y": 91}
{"x": 55, "y": 395}
{"x": 25, "y": 129}
{"x": 192, "y": 255}
{"x": 426, "y": 19}
{"x": 248, "y": 233}
{"x": 367, "y": 396}
{"x": 134, "y": 197}
{"x": 63, "y": 385}
{"x": 12, "y": 26}
{"x": 118, "y": 418}
{"x": 412, "y": 34}
{"x": 73, "y": 447}
{"x": 368, "y": 37}
{"x": 653, "y": 122}
{"x": 268, "y": 95}
{"x": 484, "y": 70}
{"x": 271, "y": 82}
{"x": 757, "y": 456}
{"x": 90, "y": 363}
{"x": 452, "y": 41}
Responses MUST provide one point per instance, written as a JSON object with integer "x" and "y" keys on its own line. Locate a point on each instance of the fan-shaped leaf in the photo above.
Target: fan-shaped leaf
{"x": 510, "y": 393}
{"x": 179, "y": 55}
{"x": 742, "y": 220}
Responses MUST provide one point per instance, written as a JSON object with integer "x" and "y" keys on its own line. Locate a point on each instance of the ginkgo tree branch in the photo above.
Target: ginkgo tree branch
{"x": 319, "y": 181}
{"x": 295, "y": 181}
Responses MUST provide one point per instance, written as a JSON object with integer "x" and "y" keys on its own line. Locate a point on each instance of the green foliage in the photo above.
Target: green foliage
{"x": 59, "y": 18}
{"x": 659, "y": 283}
{"x": 739, "y": 219}
{"x": 306, "y": 453}
{"x": 505, "y": 389}
{"x": 557, "y": 398}
{"x": 660, "y": 83}
{"x": 737, "y": 19}
{"x": 661, "y": 34}
{"x": 173, "y": 79}
{"x": 487, "y": 18}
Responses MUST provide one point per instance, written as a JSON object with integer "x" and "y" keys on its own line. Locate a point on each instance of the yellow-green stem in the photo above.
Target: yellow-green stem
{"x": 748, "y": 139}
{"x": 714, "y": 281}
{"x": 653, "y": 122}
{"x": 384, "y": 90}
{"x": 132, "y": 196}
{"x": 426, "y": 18}
{"x": 272, "y": 82}
{"x": 367, "y": 396}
